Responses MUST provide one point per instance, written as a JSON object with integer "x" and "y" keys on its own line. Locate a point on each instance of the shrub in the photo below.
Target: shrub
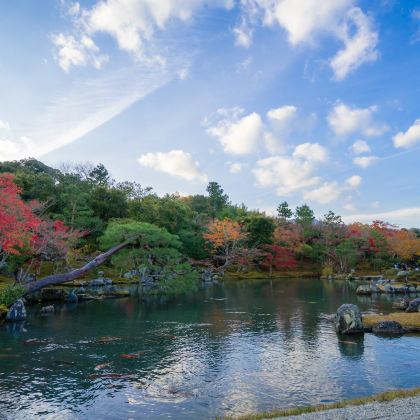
{"x": 10, "y": 294}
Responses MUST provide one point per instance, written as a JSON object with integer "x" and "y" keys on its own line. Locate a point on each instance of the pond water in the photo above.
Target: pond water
{"x": 235, "y": 348}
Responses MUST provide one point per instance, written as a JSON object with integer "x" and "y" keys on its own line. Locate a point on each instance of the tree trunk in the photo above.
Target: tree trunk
{"x": 74, "y": 274}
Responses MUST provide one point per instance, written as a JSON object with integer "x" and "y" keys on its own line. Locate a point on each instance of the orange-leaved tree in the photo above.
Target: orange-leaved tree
{"x": 225, "y": 238}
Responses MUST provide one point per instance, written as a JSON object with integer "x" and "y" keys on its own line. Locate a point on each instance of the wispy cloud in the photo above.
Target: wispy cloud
{"x": 85, "y": 106}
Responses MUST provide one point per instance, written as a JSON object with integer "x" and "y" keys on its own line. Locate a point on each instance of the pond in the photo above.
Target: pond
{"x": 235, "y": 348}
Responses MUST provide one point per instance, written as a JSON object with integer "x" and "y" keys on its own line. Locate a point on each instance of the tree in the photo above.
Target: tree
{"x": 260, "y": 230}
{"x": 18, "y": 223}
{"x": 278, "y": 257}
{"x": 284, "y": 211}
{"x": 304, "y": 215}
{"x": 225, "y": 238}
{"x": 217, "y": 198}
{"x": 99, "y": 176}
{"x": 108, "y": 203}
{"x": 153, "y": 249}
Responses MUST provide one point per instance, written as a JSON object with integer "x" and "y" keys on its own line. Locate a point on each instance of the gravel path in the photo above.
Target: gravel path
{"x": 398, "y": 409}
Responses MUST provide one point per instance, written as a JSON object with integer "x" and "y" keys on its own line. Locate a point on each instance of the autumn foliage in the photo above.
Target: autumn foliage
{"x": 18, "y": 223}
{"x": 23, "y": 233}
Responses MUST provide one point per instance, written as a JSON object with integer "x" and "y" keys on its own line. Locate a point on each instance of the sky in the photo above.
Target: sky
{"x": 277, "y": 100}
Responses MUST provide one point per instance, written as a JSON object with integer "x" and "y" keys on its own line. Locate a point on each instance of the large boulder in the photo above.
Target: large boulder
{"x": 388, "y": 328}
{"x": 364, "y": 289}
{"x": 348, "y": 319}
{"x": 17, "y": 312}
{"x": 413, "y": 306}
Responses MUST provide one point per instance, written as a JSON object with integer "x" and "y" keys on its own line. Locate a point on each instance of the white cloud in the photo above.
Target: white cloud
{"x": 359, "y": 44}
{"x": 349, "y": 207}
{"x": 237, "y": 135}
{"x": 85, "y": 106}
{"x": 306, "y": 20}
{"x": 289, "y": 174}
{"x": 409, "y": 138}
{"x": 345, "y": 120}
{"x": 408, "y": 216}
{"x": 354, "y": 181}
{"x": 176, "y": 163}
{"x": 4, "y": 125}
{"x": 273, "y": 144}
{"x": 365, "y": 161}
{"x": 332, "y": 191}
{"x": 12, "y": 149}
{"x": 286, "y": 174}
{"x": 303, "y": 19}
{"x": 77, "y": 52}
{"x": 326, "y": 193}
{"x": 311, "y": 152}
{"x": 360, "y": 146}
{"x": 284, "y": 114}
{"x": 243, "y": 34}
{"x": 132, "y": 23}
{"x": 235, "y": 167}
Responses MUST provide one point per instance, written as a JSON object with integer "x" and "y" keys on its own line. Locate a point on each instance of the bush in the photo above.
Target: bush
{"x": 327, "y": 271}
{"x": 10, "y": 294}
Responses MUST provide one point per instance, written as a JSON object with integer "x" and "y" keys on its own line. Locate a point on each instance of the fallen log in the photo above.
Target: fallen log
{"x": 76, "y": 273}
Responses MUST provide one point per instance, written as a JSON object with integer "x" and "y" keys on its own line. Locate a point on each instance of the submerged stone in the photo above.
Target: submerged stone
{"x": 388, "y": 328}
{"x": 414, "y": 305}
{"x": 348, "y": 319}
{"x": 17, "y": 312}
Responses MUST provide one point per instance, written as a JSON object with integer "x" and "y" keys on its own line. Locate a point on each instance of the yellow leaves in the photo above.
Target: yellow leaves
{"x": 404, "y": 244}
{"x": 223, "y": 232}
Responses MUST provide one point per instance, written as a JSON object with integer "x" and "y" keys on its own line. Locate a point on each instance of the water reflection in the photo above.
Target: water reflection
{"x": 231, "y": 349}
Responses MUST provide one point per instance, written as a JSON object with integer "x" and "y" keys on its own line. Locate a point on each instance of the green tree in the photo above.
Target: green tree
{"x": 284, "y": 211}
{"x": 304, "y": 215}
{"x": 217, "y": 198}
{"x": 260, "y": 230}
{"x": 154, "y": 249}
{"x": 108, "y": 203}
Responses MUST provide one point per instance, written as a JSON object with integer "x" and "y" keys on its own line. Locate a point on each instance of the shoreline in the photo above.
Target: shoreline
{"x": 386, "y": 396}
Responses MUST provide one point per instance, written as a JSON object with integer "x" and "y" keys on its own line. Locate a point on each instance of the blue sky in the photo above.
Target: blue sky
{"x": 295, "y": 100}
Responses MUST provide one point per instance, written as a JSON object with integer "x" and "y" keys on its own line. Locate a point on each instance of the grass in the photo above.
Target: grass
{"x": 385, "y": 396}
{"x": 407, "y": 320}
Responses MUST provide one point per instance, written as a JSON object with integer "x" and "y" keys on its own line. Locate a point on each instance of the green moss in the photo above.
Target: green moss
{"x": 10, "y": 294}
{"x": 385, "y": 396}
{"x": 407, "y": 320}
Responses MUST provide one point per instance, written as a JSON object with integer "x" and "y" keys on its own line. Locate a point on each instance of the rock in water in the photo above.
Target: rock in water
{"x": 364, "y": 289}
{"x": 348, "y": 319}
{"x": 400, "y": 304}
{"x": 72, "y": 298}
{"x": 47, "y": 309}
{"x": 17, "y": 312}
{"x": 413, "y": 306}
{"x": 388, "y": 328}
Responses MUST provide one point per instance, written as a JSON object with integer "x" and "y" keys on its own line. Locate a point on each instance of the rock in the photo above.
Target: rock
{"x": 418, "y": 289}
{"x": 388, "y": 289}
{"x": 107, "y": 281}
{"x": 401, "y": 304}
{"x": 96, "y": 282}
{"x": 412, "y": 289}
{"x": 72, "y": 297}
{"x": 47, "y": 309}
{"x": 17, "y": 312}
{"x": 348, "y": 319}
{"x": 364, "y": 289}
{"x": 51, "y": 294}
{"x": 413, "y": 306}
{"x": 388, "y": 328}
{"x": 402, "y": 273}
